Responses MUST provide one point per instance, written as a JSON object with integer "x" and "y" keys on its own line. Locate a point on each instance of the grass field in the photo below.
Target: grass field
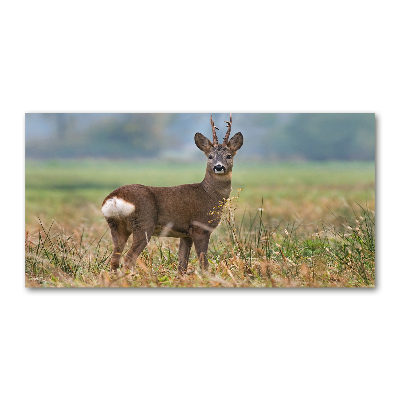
{"x": 293, "y": 224}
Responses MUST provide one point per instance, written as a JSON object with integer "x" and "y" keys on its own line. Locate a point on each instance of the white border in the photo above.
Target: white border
{"x": 202, "y": 57}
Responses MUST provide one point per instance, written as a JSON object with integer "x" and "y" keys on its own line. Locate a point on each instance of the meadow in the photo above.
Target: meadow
{"x": 286, "y": 225}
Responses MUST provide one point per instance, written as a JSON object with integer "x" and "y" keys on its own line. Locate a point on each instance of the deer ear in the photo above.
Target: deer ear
{"x": 236, "y": 142}
{"x": 202, "y": 142}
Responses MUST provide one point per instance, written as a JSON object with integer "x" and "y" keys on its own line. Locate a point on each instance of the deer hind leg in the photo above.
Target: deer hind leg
{"x": 185, "y": 245}
{"x": 120, "y": 235}
{"x": 201, "y": 238}
{"x": 140, "y": 240}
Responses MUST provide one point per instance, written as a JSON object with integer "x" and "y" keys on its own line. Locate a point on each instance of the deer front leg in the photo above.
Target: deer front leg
{"x": 201, "y": 238}
{"x": 185, "y": 245}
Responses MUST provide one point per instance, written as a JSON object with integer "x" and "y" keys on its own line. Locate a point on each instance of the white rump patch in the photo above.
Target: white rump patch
{"x": 117, "y": 208}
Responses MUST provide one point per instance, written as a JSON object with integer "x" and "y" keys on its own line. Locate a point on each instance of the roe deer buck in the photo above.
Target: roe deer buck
{"x": 189, "y": 212}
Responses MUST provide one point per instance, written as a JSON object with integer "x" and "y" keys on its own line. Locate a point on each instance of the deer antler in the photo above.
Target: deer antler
{"x": 229, "y": 126}
{"x": 215, "y": 138}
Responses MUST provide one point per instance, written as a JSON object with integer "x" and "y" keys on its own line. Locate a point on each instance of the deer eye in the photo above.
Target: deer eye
{"x": 210, "y": 156}
{"x": 228, "y": 156}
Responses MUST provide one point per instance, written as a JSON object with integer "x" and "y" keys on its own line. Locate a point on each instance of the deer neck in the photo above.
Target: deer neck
{"x": 216, "y": 186}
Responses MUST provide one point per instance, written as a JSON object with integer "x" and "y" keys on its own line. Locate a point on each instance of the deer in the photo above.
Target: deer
{"x": 189, "y": 212}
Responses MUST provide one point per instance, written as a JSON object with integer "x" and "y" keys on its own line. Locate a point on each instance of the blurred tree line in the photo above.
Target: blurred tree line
{"x": 267, "y": 136}
{"x": 324, "y": 137}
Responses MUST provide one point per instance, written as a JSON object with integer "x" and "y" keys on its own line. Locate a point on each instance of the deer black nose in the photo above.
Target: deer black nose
{"x": 219, "y": 169}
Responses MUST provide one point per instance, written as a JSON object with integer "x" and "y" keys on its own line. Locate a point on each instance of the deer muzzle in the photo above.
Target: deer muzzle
{"x": 219, "y": 169}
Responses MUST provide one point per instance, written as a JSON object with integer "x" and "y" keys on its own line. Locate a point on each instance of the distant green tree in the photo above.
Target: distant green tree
{"x": 126, "y": 136}
{"x": 117, "y": 136}
{"x": 326, "y": 137}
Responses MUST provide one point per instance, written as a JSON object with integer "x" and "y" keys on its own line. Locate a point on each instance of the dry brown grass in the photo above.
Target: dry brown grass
{"x": 240, "y": 256}
{"x": 288, "y": 229}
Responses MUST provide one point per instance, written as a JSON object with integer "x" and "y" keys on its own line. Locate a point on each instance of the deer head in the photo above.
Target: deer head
{"x": 220, "y": 156}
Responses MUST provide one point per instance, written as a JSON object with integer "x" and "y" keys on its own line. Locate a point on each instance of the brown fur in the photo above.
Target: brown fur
{"x": 189, "y": 212}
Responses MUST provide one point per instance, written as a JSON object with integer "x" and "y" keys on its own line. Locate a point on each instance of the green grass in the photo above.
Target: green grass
{"x": 286, "y": 189}
{"x": 304, "y": 224}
